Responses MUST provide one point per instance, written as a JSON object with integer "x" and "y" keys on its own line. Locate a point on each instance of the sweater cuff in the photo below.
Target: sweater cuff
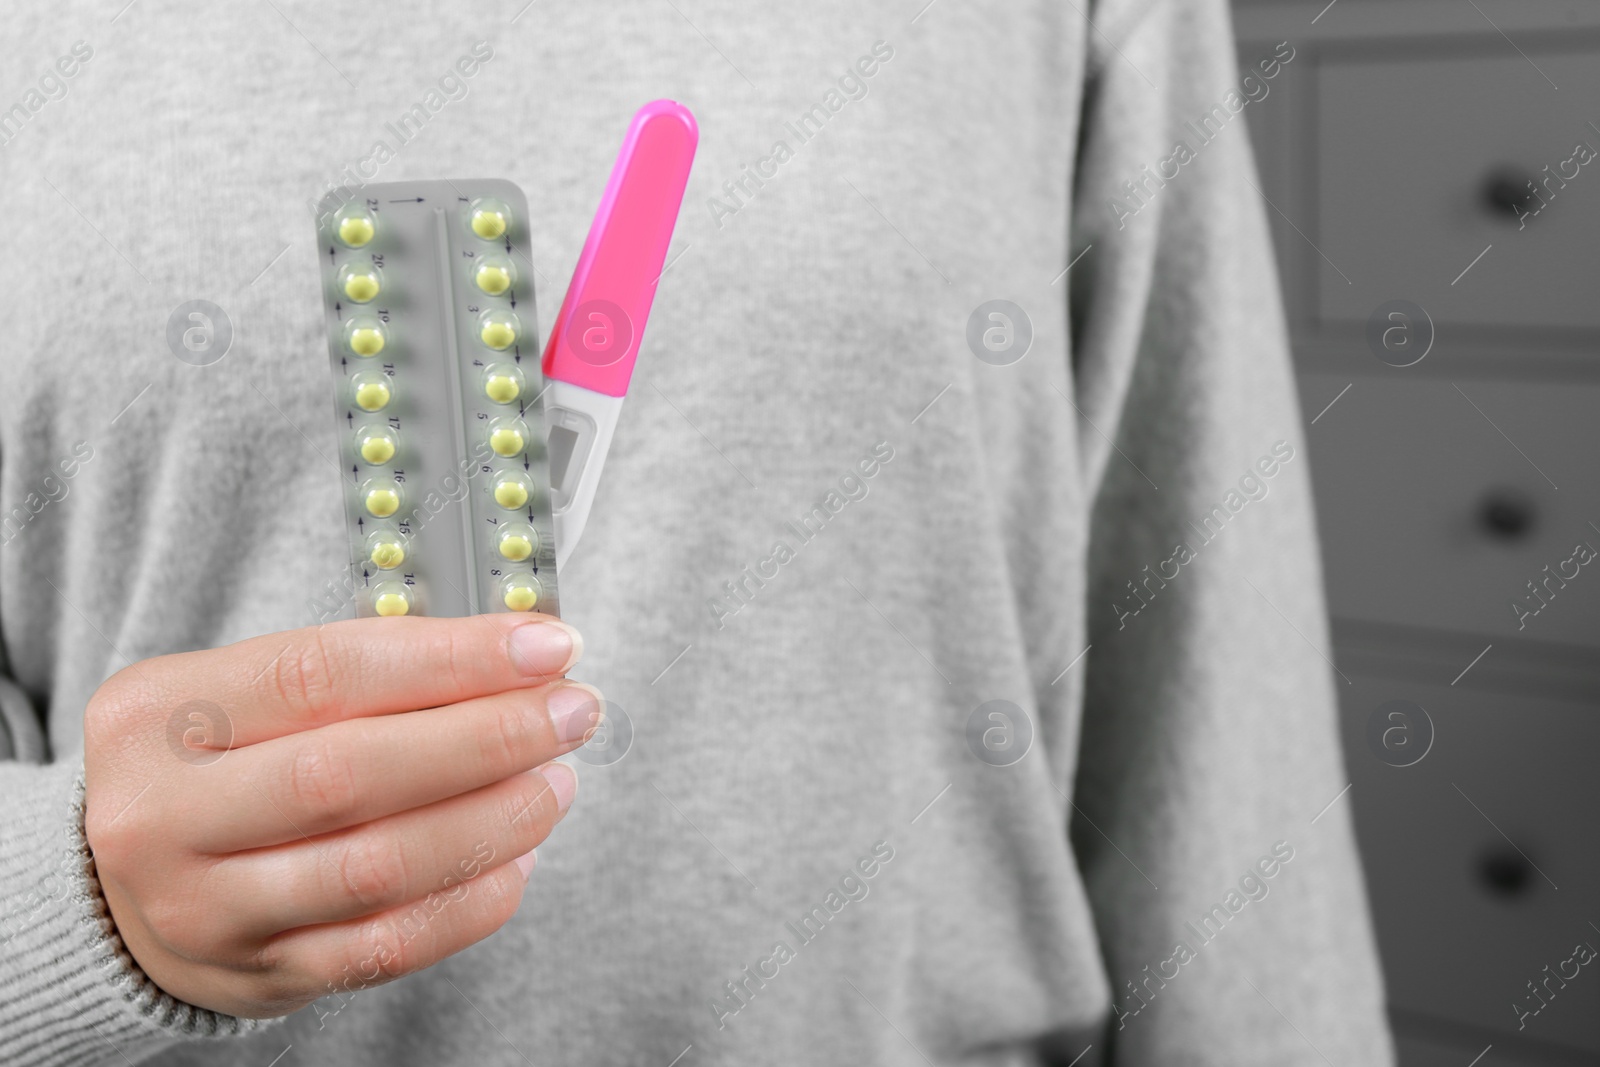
{"x": 70, "y": 992}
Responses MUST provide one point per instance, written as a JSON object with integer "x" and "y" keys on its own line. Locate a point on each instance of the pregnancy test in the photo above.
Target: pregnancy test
{"x": 589, "y": 358}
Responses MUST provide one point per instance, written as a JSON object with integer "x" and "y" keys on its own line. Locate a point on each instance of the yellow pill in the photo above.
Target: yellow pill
{"x": 521, "y": 597}
{"x": 391, "y": 604}
{"x": 376, "y": 450}
{"x": 366, "y": 341}
{"x": 355, "y": 230}
{"x": 362, "y": 285}
{"x": 387, "y": 555}
{"x": 516, "y": 547}
{"x": 511, "y": 494}
{"x": 492, "y": 278}
{"x": 372, "y": 396}
{"x": 506, "y": 441}
{"x": 499, "y": 334}
{"x": 376, "y": 444}
{"x": 502, "y": 388}
{"x": 489, "y": 222}
{"x": 381, "y": 503}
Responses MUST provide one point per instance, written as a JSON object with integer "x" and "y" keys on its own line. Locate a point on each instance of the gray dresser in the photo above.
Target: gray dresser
{"x": 1433, "y": 172}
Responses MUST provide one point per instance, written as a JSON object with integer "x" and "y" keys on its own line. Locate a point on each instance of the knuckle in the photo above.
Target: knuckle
{"x": 501, "y": 892}
{"x": 267, "y": 961}
{"x": 108, "y": 706}
{"x": 303, "y": 678}
{"x": 457, "y": 660}
{"x": 278, "y": 976}
{"x": 277, "y": 991}
{"x": 120, "y": 827}
{"x": 512, "y": 743}
{"x": 110, "y": 840}
{"x": 373, "y": 870}
{"x": 379, "y": 951}
{"x": 173, "y": 922}
{"x": 118, "y": 709}
{"x": 321, "y": 778}
{"x": 530, "y": 808}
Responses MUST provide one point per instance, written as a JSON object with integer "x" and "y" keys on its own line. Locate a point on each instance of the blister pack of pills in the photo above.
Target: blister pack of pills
{"x": 433, "y": 342}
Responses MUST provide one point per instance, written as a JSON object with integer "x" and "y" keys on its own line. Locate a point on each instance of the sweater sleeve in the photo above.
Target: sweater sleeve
{"x": 1211, "y": 820}
{"x": 69, "y": 991}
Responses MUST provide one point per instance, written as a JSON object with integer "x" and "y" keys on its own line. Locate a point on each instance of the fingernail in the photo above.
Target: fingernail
{"x": 563, "y": 782}
{"x": 525, "y": 864}
{"x": 541, "y": 649}
{"x": 575, "y": 710}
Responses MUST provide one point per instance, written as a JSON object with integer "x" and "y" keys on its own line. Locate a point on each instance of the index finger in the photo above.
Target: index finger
{"x": 297, "y": 680}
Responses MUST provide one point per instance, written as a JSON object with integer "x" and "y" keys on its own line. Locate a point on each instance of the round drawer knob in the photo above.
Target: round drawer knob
{"x": 1506, "y": 872}
{"x": 1507, "y": 191}
{"x": 1507, "y": 515}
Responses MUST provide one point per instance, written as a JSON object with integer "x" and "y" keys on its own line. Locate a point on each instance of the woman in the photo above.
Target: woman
{"x": 1011, "y": 757}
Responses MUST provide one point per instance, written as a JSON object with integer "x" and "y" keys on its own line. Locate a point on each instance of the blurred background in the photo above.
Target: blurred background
{"x": 1432, "y": 172}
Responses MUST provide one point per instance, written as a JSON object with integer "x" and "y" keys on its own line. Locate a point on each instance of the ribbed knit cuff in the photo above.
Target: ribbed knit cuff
{"x": 70, "y": 993}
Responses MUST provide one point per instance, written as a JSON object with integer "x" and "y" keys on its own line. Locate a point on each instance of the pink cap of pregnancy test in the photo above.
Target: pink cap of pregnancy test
{"x": 597, "y": 332}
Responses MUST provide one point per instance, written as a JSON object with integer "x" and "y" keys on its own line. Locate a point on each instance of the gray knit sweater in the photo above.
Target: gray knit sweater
{"x": 1055, "y": 671}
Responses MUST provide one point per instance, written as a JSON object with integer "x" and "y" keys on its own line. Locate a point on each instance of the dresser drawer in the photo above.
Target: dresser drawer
{"x": 1419, "y": 163}
{"x": 1431, "y": 516}
{"x": 1480, "y": 858}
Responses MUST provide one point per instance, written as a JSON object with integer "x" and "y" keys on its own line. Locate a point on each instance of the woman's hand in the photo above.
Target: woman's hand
{"x": 327, "y": 809}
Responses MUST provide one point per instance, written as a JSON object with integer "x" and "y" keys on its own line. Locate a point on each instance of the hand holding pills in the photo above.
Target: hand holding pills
{"x": 317, "y": 811}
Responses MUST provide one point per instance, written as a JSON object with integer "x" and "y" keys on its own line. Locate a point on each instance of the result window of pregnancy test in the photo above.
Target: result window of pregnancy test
{"x": 562, "y": 442}
{"x": 567, "y": 445}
